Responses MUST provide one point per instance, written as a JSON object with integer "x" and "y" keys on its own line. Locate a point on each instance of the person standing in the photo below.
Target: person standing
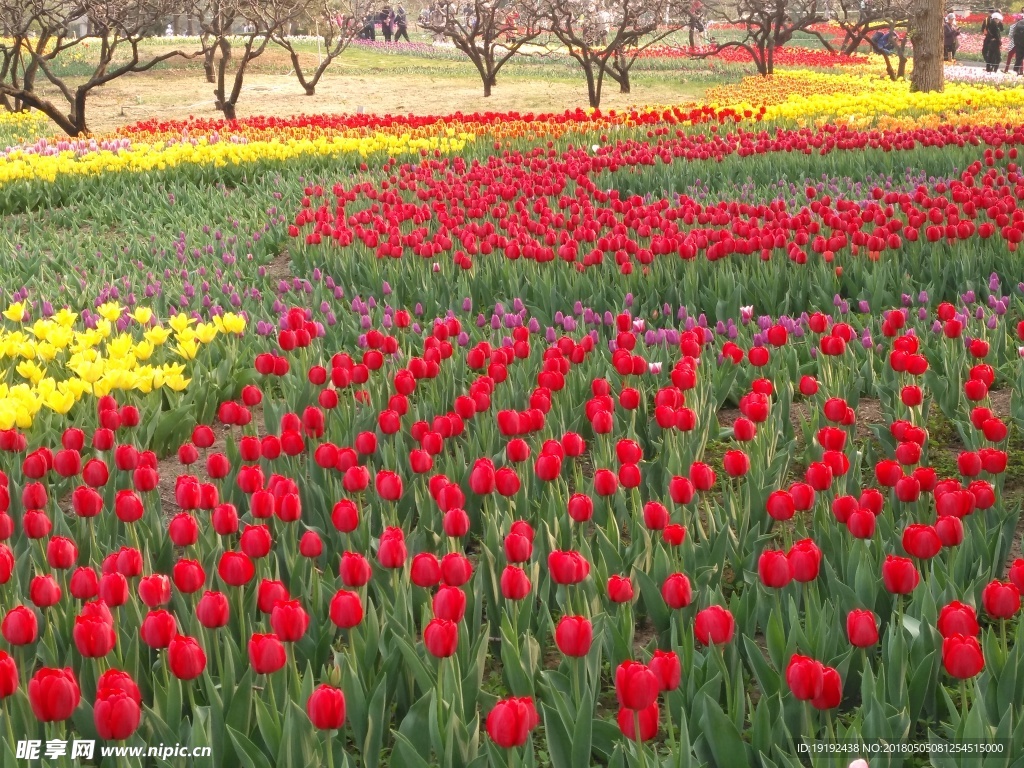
{"x": 401, "y": 25}
{"x": 367, "y": 32}
{"x": 1015, "y": 57}
{"x": 386, "y": 21}
{"x": 992, "y": 29}
{"x": 950, "y": 35}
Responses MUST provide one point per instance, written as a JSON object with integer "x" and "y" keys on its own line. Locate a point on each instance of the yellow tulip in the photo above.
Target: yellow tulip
{"x": 180, "y": 322}
{"x": 65, "y": 318}
{"x": 187, "y": 348}
{"x": 27, "y": 369}
{"x": 111, "y": 311}
{"x": 16, "y": 312}
{"x": 157, "y": 335}
{"x": 144, "y": 350}
{"x": 206, "y": 332}
{"x": 60, "y": 402}
{"x": 142, "y": 315}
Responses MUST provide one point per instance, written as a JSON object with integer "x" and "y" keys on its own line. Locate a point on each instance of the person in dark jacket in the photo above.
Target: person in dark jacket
{"x": 992, "y": 29}
{"x": 386, "y": 20}
{"x": 367, "y": 32}
{"x": 401, "y": 25}
{"x": 950, "y": 37}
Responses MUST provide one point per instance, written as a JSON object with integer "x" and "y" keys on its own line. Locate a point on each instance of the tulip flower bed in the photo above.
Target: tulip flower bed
{"x": 450, "y": 527}
{"x": 672, "y": 437}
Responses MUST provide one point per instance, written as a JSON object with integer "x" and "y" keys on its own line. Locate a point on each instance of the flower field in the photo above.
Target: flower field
{"x": 680, "y": 436}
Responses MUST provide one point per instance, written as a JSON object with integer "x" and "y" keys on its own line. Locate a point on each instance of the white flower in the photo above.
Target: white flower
{"x": 747, "y": 314}
{"x": 595, "y": 147}
{"x": 436, "y": 267}
{"x": 654, "y": 367}
{"x": 859, "y": 763}
{"x": 639, "y": 325}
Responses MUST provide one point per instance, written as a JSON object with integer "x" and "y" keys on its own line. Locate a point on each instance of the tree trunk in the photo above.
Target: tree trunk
{"x": 229, "y": 110}
{"x": 211, "y": 76}
{"x": 926, "y": 37}
{"x": 692, "y": 46}
{"x": 487, "y": 87}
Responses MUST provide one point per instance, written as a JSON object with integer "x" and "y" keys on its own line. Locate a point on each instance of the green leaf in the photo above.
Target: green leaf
{"x": 582, "y": 735}
{"x": 247, "y": 752}
{"x": 727, "y": 745}
{"x": 375, "y": 724}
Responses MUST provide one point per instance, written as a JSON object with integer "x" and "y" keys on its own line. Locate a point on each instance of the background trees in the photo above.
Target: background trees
{"x": 489, "y": 32}
{"x": 33, "y": 33}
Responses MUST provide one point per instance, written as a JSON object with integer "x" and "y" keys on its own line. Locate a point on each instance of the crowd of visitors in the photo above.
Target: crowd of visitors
{"x": 394, "y": 24}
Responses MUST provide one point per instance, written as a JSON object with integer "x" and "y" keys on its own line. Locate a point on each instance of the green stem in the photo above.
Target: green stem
{"x": 639, "y": 740}
{"x": 330, "y": 749}
{"x": 963, "y": 703}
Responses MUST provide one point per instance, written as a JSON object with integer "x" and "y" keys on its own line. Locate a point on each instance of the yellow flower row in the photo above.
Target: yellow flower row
{"x": 18, "y": 127}
{"x": 52, "y": 364}
{"x": 810, "y": 98}
{"x": 19, "y": 165}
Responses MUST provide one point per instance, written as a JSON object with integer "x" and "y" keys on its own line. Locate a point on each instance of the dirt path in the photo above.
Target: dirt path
{"x": 171, "y": 94}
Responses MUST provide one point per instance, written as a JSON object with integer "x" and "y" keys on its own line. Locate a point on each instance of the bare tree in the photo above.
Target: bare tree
{"x": 337, "y": 24}
{"x": 234, "y": 33}
{"x": 606, "y": 39}
{"x": 489, "y": 32}
{"x": 863, "y": 21}
{"x": 767, "y": 24}
{"x": 926, "y": 36}
{"x": 34, "y": 35}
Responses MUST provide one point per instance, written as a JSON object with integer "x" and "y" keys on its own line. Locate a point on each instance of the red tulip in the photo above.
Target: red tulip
{"x": 676, "y": 591}
{"x": 8, "y": 675}
{"x": 568, "y": 567}
{"x": 1001, "y": 599}
{"x": 921, "y": 541}
{"x": 574, "y": 635}
{"x": 714, "y": 625}
{"x": 235, "y": 568}
{"x": 510, "y": 721}
{"x": 388, "y": 485}
{"x": 861, "y": 628}
{"x": 289, "y": 620}
{"x": 962, "y": 656}
{"x": 441, "y": 638}
{"x": 118, "y": 680}
{"x": 94, "y": 637}
{"x": 269, "y": 593}
{"x": 620, "y": 589}
{"x": 84, "y": 584}
{"x": 185, "y": 658}
{"x": 346, "y": 609}
{"x": 515, "y": 584}
{"x": 266, "y": 654}
{"x": 212, "y": 610}
{"x": 899, "y": 575}
{"x": 805, "y": 677}
{"x": 155, "y": 590}
{"x": 53, "y": 694}
{"x": 648, "y": 718}
{"x": 391, "y": 552}
{"x": 636, "y": 686}
{"x": 956, "y": 618}
{"x": 158, "y": 629}
{"x": 804, "y": 560}
{"x": 831, "y": 690}
{"x": 354, "y": 569}
{"x": 773, "y": 569}
{"x": 666, "y": 667}
{"x": 326, "y": 708}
